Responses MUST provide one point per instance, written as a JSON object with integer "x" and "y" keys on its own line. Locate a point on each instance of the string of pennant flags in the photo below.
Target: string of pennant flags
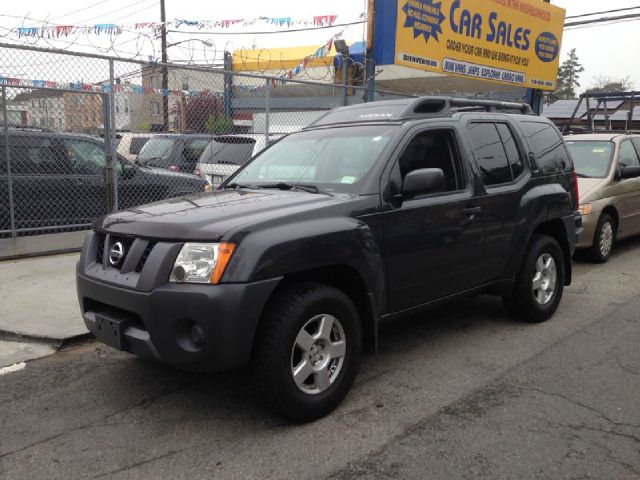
{"x": 56, "y": 31}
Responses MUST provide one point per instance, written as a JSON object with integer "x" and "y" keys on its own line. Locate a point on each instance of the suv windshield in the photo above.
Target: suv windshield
{"x": 591, "y": 158}
{"x": 157, "y": 151}
{"x": 335, "y": 159}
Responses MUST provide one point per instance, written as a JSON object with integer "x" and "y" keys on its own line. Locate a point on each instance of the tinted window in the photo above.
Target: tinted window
{"x": 136, "y": 144}
{"x": 546, "y": 144}
{"x": 511, "y": 149}
{"x": 193, "y": 149}
{"x": 591, "y": 158}
{"x": 35, "y": 156}
{"x": 628, "y": 157}
{"x": 433, "y": 150}
{"x": 157, "y": 152}
{"x": 233, "y": 150}
{"x": 492, "y": 159}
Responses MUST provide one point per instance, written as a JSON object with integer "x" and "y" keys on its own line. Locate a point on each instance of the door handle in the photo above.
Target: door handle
{"x": 471, "y": 210}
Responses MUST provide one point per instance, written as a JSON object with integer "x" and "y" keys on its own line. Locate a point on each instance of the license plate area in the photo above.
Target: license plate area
{"x": 110, "y": 331}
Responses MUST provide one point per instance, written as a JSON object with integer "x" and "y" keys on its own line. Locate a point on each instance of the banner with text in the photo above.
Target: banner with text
{"x": 515, "y": 42}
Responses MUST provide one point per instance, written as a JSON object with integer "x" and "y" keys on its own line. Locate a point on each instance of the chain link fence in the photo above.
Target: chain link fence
{"x": 84, "y": 135}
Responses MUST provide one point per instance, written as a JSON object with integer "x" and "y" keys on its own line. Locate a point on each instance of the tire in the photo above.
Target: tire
{"x": 282, "y": 349}
{"x": 603, "y": 240}
{"x": 537, "y": 305}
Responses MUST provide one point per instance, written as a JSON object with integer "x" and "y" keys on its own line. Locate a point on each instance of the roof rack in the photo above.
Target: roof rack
{"x": 414, "y": 108}
{"x": 601, "y": 101}
{"x": 444, "y": 106}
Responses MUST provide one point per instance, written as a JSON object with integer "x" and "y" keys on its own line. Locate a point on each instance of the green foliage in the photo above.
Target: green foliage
{"x": 144, "y": 127}
{"x": 604, "y": 84}
{"x": 569, "y": 76}
{"x": 218, "y": 124}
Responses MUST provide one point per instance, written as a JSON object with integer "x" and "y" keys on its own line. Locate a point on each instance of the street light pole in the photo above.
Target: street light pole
{"x": 165, "y": 72}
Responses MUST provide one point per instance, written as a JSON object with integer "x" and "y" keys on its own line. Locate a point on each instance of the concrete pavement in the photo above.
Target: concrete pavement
{"x": 463, "y": 383}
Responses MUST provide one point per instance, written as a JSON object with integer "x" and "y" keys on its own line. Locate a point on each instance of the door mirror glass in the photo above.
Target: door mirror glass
{"x": 630, "y": 172}
{"x": 423, "y": 181}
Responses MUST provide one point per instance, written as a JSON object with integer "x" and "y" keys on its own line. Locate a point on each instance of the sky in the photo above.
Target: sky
{"x": 604, "y": 50}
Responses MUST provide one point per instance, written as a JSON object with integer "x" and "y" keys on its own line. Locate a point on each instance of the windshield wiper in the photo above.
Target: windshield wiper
{"x": 305, "y": 187}
{"x": 235, "y": 185}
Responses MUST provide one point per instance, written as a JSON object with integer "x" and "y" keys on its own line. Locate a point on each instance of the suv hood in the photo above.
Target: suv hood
{"x": 207, "y": 217}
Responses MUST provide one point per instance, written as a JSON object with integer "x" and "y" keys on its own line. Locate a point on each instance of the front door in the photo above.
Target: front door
{"x": 433, "y": 243}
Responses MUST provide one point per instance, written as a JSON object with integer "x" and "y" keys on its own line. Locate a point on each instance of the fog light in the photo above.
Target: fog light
{"x": 197, "y": 335}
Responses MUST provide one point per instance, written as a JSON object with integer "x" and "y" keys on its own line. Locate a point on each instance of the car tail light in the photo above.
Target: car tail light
{"x": 174, "y": 168}
{"x": 576, "y": 191}
{"x": 197, "y": 172}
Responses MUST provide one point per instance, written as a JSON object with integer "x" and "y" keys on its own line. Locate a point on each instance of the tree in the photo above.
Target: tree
{"x": 604, "y": 84}
{"x": 568, "y": 76}
{"x": 205, "y": 113}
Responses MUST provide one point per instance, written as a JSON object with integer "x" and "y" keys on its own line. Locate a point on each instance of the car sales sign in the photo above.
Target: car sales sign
{"x": 515, "y": 42}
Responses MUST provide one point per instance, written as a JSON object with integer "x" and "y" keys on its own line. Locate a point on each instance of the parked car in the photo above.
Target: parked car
{"x": 178, "y": 152}
{"x": 373, "y": 212}
{"x": 57, "y": 181}
{"x": 130, "y": 144}
{"x": 608, "y": 167}
{"x": 226, "y": 153}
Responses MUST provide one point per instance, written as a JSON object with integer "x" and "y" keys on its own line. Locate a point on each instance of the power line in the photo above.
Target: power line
{"x": 272, "y": 32}
{"x": 603, "y": 12}
{"x": 602, "y": 20}
{"x": 80, "y": 10}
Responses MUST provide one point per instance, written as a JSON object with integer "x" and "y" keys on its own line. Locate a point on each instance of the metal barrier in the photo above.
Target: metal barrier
{"x": 83, "y": 135}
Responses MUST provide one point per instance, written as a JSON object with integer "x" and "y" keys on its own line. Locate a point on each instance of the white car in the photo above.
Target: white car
{"x": 226, "y": 153}
{"x": 131, "y": 143}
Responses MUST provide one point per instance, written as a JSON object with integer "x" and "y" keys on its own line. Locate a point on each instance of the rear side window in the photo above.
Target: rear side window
{"x": 546, "y": 144}
{"x": 36, "y": 156}
{"x": 229, "y": 150}
{"x": 511, "y": 149}
{"x": 491, "y": 154}
{"x": 136, "y": 144}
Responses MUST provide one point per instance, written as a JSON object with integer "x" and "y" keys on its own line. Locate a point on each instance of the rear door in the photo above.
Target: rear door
{"x": 43, "y": 190}
{"x": 499, "y": 157}
{"x": 433, "y": 243}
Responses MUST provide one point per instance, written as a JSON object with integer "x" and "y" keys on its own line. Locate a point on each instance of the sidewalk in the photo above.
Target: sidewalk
{"x": 38, "y": 304}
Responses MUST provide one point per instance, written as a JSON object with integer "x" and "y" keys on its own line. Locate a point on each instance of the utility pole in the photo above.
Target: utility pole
{"x": 165, "y": 72}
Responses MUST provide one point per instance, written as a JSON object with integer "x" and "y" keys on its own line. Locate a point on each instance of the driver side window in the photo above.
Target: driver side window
{"x": 86, "y": 158}
{"x": 628, "y": 157}
{"x": 433, "y": 149}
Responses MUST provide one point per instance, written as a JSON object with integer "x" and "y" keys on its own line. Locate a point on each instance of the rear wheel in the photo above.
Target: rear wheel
{"x": 603, "y": 240}
{"x": 540, "y": 283}
{"x": 307, "y": 351}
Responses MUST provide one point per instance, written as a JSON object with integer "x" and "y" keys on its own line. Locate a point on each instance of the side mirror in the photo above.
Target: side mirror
{"x": 128, "y": 169}
{"x": 423, "y": 181}
{"x": 630, "y": 172}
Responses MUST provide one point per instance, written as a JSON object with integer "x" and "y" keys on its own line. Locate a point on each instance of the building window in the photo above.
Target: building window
{"x": 185, "y": 83}
{"x": 59, "y": 123}
{"x": 118, "y": 107}
{"x": 155, "y": 108}
{"x": 79, "y": 100}
{"x": 156, "y": 82}
{"x": 126, "y": 105}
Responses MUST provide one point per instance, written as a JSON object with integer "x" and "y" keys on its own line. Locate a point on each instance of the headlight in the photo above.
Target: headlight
{"x": 201, "y": 262}
{"x": 585, "y": 209}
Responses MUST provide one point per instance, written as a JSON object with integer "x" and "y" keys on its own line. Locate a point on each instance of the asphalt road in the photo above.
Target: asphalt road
{"x": 462, "y": 392}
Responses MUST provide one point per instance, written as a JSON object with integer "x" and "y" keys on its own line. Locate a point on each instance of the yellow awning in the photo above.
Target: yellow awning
{"x": 260, "y": 60}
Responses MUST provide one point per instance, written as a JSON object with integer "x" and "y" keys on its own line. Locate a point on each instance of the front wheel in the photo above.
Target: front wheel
{"x": 603, "y": 240}
{"x": 540, "y": 282}
{"x": 307, "y": 351}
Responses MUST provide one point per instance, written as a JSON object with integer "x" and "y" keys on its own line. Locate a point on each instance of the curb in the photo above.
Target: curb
{"x": 57, "y": 343}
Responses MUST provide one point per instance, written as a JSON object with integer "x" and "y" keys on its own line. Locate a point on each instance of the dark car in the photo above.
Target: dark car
{"x": 58, "y": 181}
{"x": 178, "y": 152}
{"x": 374, "y": 212}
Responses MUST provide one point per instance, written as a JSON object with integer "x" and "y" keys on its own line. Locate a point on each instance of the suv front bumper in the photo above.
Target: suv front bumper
{"x": 196, "y": 327}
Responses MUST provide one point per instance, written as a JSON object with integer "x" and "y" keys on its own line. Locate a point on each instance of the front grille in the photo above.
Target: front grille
{"x": 100, "y": 251}
{"x": 145, "y": 256}
{"x": 126, "y": 244}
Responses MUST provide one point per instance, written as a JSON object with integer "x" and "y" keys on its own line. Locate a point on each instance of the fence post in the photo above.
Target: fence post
{"x": 12, "y": 215}
{"x": 266, "y": 110}
{"x": 113, "y": 158}
{"x": 344, "y": 59}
